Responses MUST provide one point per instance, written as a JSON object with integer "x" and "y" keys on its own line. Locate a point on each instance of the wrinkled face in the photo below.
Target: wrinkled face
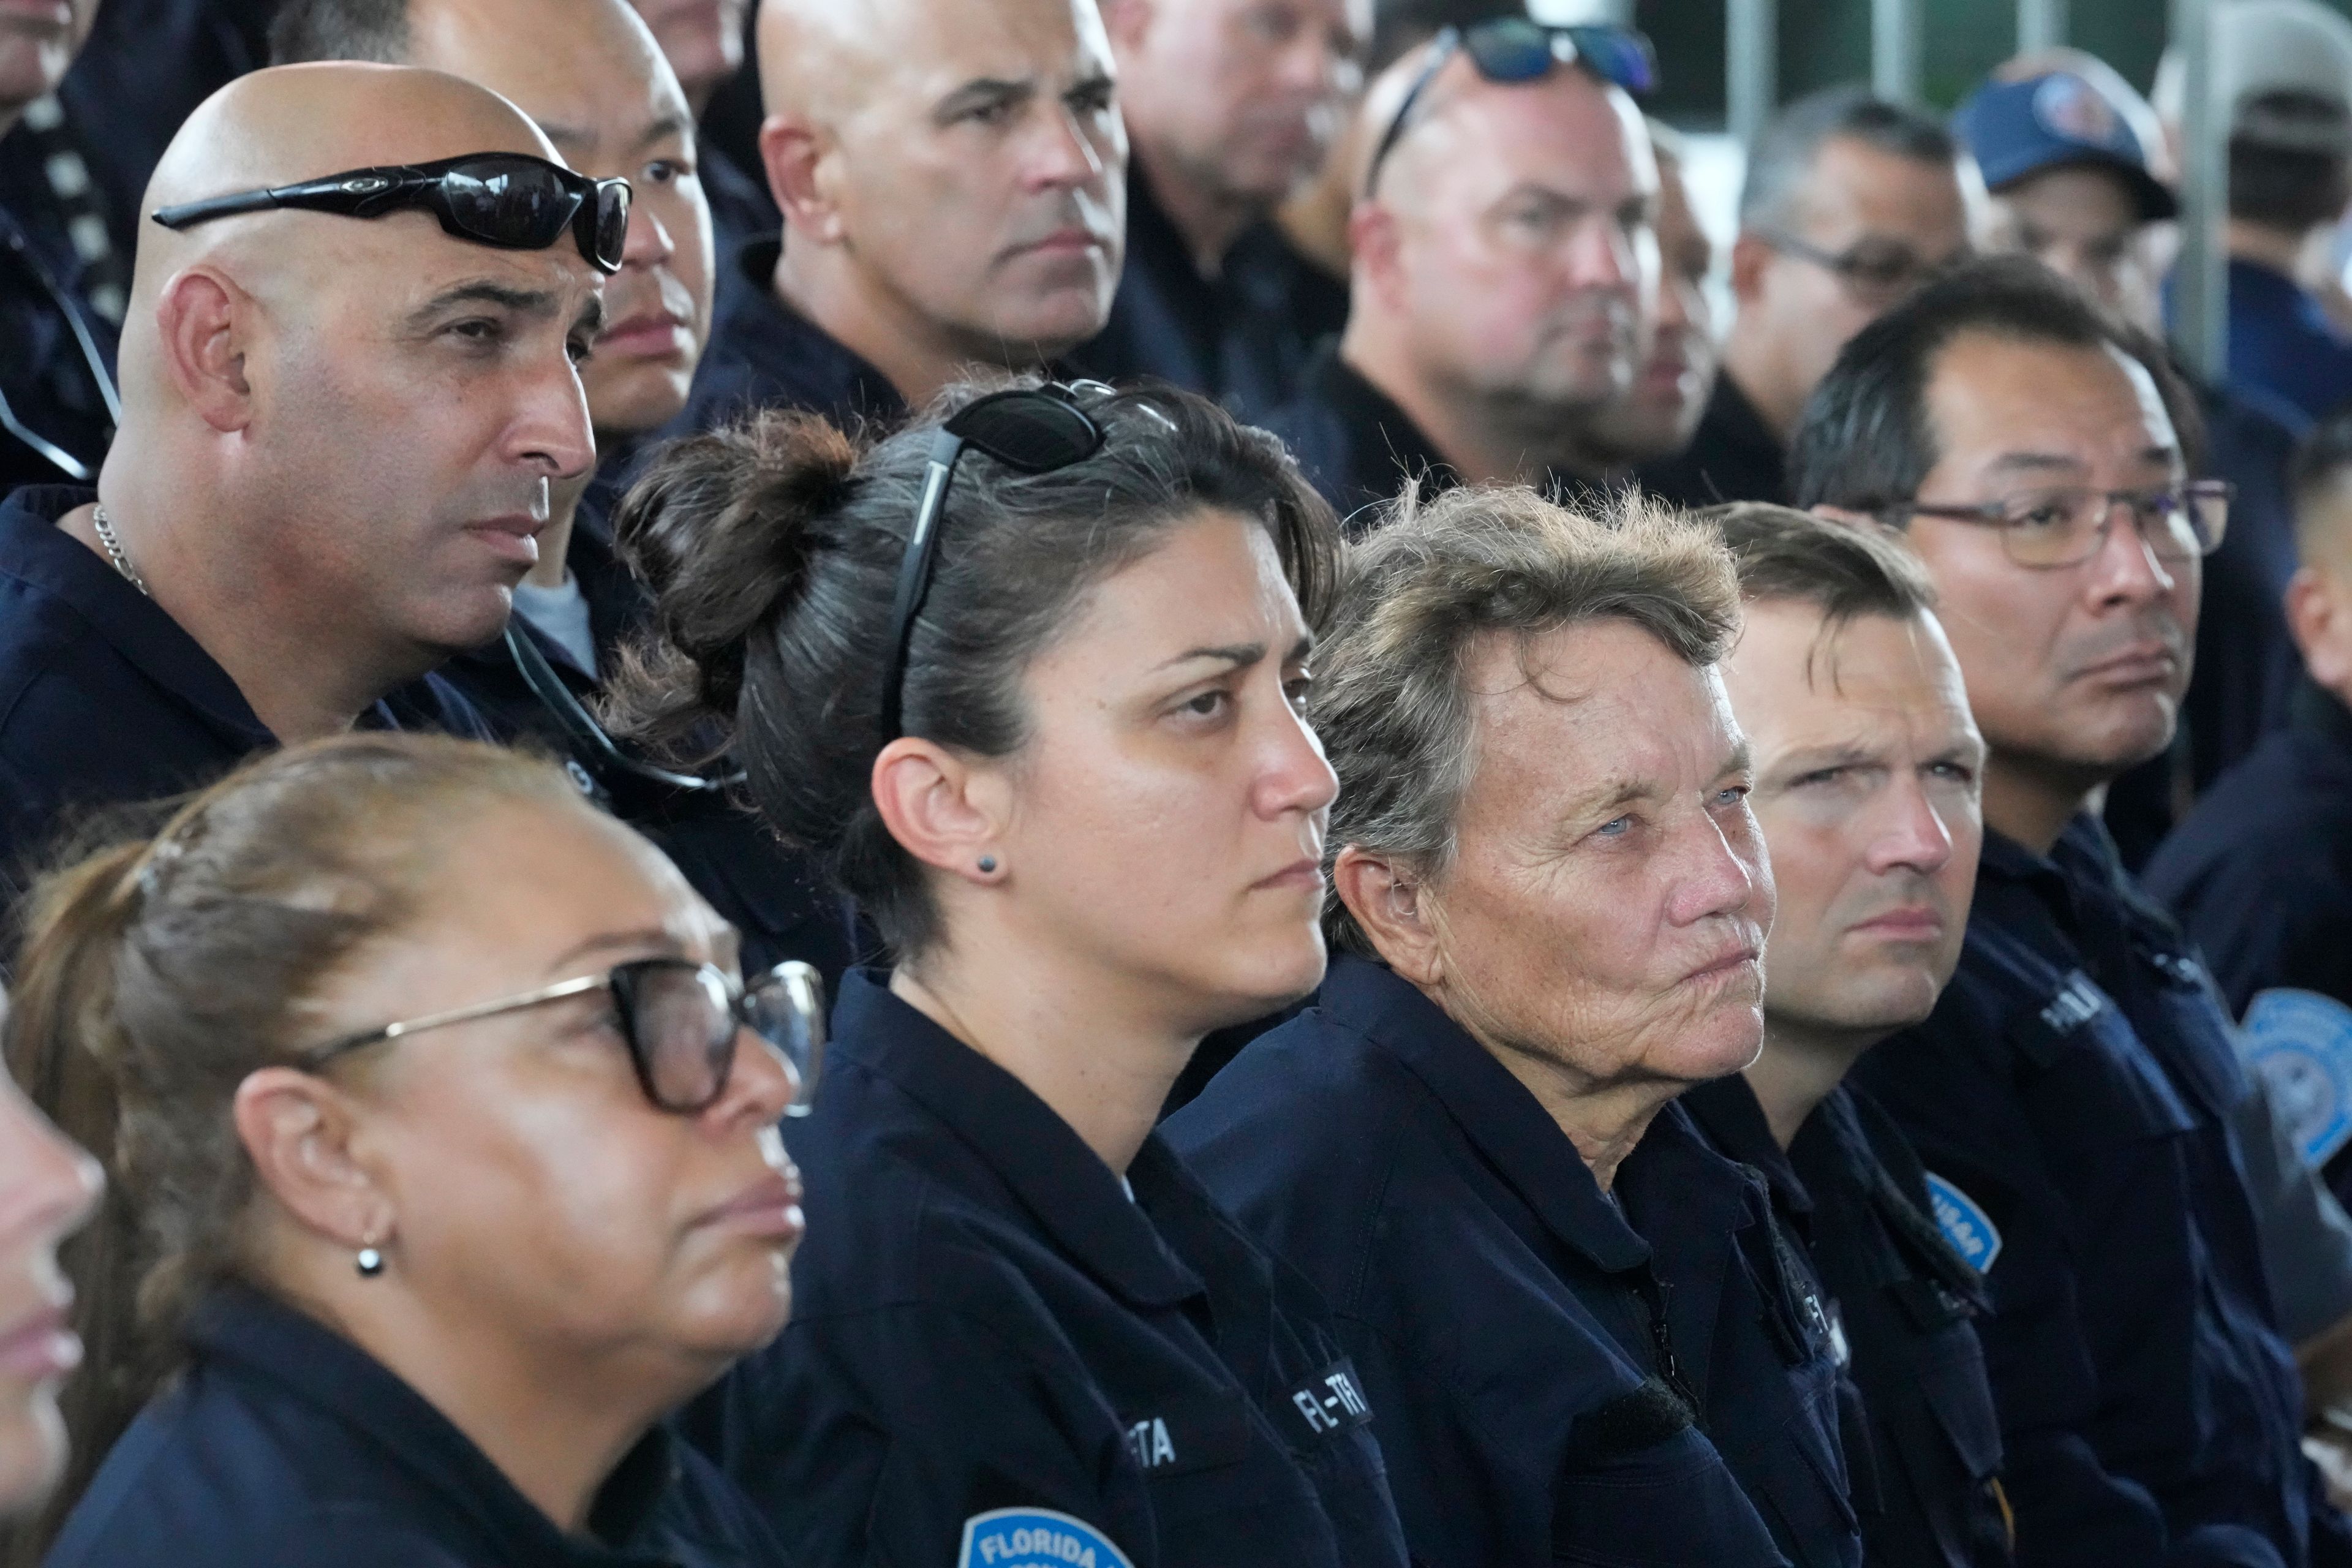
{"x": 1244, "y": 96}
{"x": 1867, "y": 776}
{"x": 1168, "y": 806}
{"x": 1606, "y": 908}
{"x": 607, "y": 101}
{"x": 1519, "y": 250}
{"x": 38, "y": 39}
{"x": 530, "y": 1182}
{"x": 1659, "y": 413}
{"x": 418, "y": 399}
{"x": 48, "y": 1188}
{"x": 1904, "y": 214}
{"x": 702, "y": 39}
{"x": 2077, "y": 668}
{"x": 981, "y": 187}
{"x": 2083, "y": 225}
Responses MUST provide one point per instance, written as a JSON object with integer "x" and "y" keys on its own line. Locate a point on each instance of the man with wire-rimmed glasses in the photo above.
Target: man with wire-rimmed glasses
{"x": 2073, "y": 1096}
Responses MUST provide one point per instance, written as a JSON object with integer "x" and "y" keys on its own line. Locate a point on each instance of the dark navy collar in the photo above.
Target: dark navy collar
{"x": 36, "y": 551}
{"x": 1067, "y": 1190}
{"x": 1386, "y": 439}
{"x": 779, "y": 355}
{"x": 263, "y": 1340}
{"x": 1733, "y": 1119}
{"x": 2320, "y": 715}
{"x": 1494, "y": 1110}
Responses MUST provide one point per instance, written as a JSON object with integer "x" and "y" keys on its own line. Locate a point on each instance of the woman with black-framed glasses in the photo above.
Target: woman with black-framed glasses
{"x": 1027, "y": 676}
{"x": 444, "y": 1165}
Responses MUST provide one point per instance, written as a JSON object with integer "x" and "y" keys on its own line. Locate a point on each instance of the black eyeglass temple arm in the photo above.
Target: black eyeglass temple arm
{"x": 915, "y": 570}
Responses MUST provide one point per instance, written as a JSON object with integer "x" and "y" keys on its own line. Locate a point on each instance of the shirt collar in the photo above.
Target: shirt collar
{"x": 35, "y": 551}
{"x": 1734, "y": 1121}
{"x": 2319, "y": 713}
{"x": 266, "y": 1339}
{"x": 1494, "y": 1110}
{"x": 1064, "y": 1184}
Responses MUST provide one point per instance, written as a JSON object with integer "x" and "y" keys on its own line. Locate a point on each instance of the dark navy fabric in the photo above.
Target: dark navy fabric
{"x": 776, "y": 898}
{"x": 1244, "y": 336}
{"x": 1925, "y": 1439}
{"x": 2076, "y": 1084}
{"x": 742, "y": 211}
{"x": 1354, "y": 445}
{"x": 2282, "y": 343}
{"x": 105, "y": 701}
{"x": 983, "y": 1318}
{"x": 764, "y": 355}
{"x": 2260, "y": 873}
{"x": 1563, "y": 1373}
{"x": 1733, "y": 456}
{"x": 286, "y": 1446}
{"x": 50, "y": 384}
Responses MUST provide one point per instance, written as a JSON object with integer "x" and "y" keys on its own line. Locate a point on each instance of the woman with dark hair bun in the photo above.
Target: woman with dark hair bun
{"x": 1027, "y": 675}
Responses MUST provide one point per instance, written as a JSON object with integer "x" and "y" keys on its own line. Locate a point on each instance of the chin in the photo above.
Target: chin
{"x": 1268, "y": 978}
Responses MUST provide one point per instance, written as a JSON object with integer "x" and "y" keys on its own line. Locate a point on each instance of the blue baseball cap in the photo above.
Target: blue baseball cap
{"x": 2017, "y": 129}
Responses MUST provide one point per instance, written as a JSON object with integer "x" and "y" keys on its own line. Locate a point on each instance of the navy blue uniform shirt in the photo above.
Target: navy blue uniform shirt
{"x": 1732, "y": 456}
{"x": 1242, "y": 337}
{"x": 105, "y": 701}
{"x": 1353, "y": 443}
{"x": 49, "y": 371}
{"x": 777, "y": 899}
{"x": 283, "y": 1445}
{"x": 765, "y": 355}
{"x": 983, "y": 1320}
{"x": 2069, "y": 1099}
{"x": 1922, "y": 1444}
{"x": 1562, "y": 1374}
{"x": 2281, "y": 341}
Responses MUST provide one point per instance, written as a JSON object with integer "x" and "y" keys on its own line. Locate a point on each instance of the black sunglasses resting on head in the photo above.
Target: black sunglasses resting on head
{"x": 507, "y": 200}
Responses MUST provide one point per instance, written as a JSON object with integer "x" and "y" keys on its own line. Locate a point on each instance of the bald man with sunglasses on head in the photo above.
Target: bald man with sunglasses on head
{"x": 348, "y": 390}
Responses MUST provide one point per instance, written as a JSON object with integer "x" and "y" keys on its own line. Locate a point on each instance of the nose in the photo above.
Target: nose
{"x": 2125, "y": 571}
{"x": 1294, "y": 774}
{"x": 1067, "y": 157}
{"x": 1603, "y": 254}
{"x": 647, "y": 243}
{"x": 1711, "y": 875}
{"x": 50, "y": 1186}
{"x": 1913, "y": 835}
{"x": 551, "y": 431}
{"x": 761, "y": 1087}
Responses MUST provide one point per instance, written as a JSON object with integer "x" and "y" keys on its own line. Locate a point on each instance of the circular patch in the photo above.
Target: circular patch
{"x": 2074, "y": 110}
{"x": 2301, "y": 1042}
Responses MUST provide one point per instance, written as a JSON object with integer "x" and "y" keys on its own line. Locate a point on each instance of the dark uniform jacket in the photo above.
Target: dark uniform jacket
{"x": 1242, "y": 337}
{"x": 2069, "y": 1099}
{"x": 57, "y": 359}
{"x": 1925, "y": 1446}
{"x": 1563, "y": 1374}
{"x": 1733, "y": 456}
{"x": 1354, "y": 445}
{"x": 286, "y": 1446}
{"x": 106, "y": 701}
{"x": 765, "y": 355}
{"x": 983, "y": 1321}
{"x": 775, "y": 897}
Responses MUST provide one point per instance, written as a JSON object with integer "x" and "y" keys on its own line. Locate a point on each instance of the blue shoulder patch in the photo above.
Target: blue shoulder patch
{"x": 1035, "y": 1538}
{"x": 1964, "y": 1224}
{"x": 2301, "y": 1042}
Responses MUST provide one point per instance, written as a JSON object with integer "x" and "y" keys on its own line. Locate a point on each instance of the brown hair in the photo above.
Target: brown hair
{"x": 156, "y": 973}
{"x": 773, "y": 548}
{"x": 1842, "y": 569}
{"x": 1392, "y": 698}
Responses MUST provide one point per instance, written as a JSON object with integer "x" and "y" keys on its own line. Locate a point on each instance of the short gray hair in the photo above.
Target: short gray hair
{"x": 308, "y": 30}
{"x": 1782, "y": 159}
{"x": 1428, "y": 587}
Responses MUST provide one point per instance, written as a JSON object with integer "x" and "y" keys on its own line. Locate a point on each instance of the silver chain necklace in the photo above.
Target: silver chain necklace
{"x": 105, "y": 526}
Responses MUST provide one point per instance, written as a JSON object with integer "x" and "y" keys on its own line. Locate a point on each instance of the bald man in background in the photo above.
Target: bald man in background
{"x": 592, "y": 76}
{"x": 339, "y": 443}
{"x": 952, "y": 175}
{"x": 1504, "y": 255}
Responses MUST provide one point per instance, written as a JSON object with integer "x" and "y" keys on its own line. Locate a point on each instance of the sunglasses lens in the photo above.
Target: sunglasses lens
{"x": 511, "y": 202}
{"x": 1509, "y": 48}
{"x": 612, "y": 223}
{"x": 686, "y": 1033}
{"x": 1034, "y": 432}
{"x": 1617, "y": 55}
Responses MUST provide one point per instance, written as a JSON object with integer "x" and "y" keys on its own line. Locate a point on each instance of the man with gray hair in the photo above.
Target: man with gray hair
{"x": 1586, "y": 1336}
{"x": 1851, "y": 203}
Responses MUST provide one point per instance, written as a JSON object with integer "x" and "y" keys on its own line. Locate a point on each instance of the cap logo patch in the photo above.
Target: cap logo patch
{"x": 2074, "y": 110}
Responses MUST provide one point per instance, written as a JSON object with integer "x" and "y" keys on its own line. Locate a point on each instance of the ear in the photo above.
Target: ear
{"x": 1394, "y": 909}
{"x": 299, "y": 1130}
{"x": 1127, "y": 22}
{"x": 941, "y": 808}
{"x": 2318, "y": 623}
{"x": 1751, "y": 256}
{"x": 202, "y": 323}
{"x": 1374, "y": 240}
{"x": 794, "y": 152}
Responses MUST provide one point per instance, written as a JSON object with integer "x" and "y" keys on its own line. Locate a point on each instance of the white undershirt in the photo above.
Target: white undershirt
{"x": 561, "y": 614}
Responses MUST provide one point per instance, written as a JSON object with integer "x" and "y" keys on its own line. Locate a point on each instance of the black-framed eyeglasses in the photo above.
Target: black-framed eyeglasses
{"x": 508, "y": 200}
{"x": 1875, "y": 273}
{"x": 1518, "y": 48}
{"x": 1034, "y": 430}
{"x": 2065, "y": 525}
{"x": 680, "y": 1019}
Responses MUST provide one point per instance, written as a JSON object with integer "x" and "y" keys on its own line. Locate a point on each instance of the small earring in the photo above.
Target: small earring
{"x": 370, "y": 1262}
{"x": 988, "y": 863}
